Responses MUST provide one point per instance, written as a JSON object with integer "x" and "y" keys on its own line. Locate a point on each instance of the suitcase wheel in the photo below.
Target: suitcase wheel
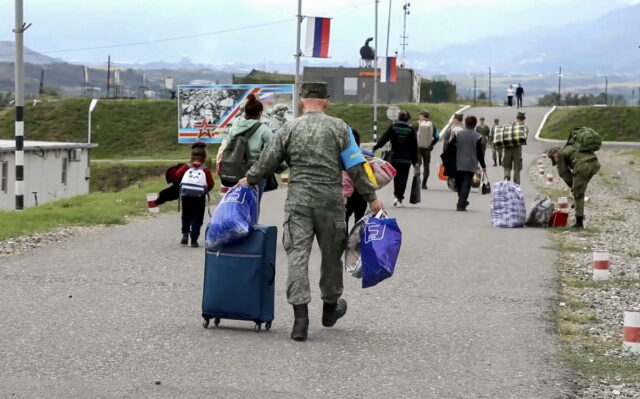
{"x": 205, "y": 323}
{"x": 258, "y": 327}
{"x": 267, "y": 326}
{"x": 216, "y": 321}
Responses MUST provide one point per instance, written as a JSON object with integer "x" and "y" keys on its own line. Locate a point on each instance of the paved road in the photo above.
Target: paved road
{"x": 108, "y": 314}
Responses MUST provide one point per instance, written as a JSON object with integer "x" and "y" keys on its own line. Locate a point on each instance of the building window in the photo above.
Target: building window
{"x": 65, "y": 169}
{"x": 350, "y": 86}
{"x": 5, "y": 177}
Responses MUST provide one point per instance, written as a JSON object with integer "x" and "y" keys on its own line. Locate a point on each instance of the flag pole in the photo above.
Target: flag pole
{"x": 296, "y": 87}
{"x": 375, "y": 79}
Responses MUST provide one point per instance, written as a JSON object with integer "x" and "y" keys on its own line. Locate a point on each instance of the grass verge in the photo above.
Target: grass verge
{"x": 613, "y": 123}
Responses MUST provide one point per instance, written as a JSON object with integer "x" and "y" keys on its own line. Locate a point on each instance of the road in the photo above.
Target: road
{"x": 111, "y": 313}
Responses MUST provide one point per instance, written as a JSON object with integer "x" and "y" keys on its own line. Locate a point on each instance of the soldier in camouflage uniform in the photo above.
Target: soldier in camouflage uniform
{"x": 485, "y": 132}
{"x": 576, "y": 168}
{"x": 512, "y": 159}
{"x": 311, "y": 146}
{"x": 278, "y": 119}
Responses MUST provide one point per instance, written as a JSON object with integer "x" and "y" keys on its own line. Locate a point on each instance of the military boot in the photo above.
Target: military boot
{"x": 300, "y": 322}
{"x": 185, "y": 239}
{"x": 579, "y": 223}
{"x": 331, "y": 312}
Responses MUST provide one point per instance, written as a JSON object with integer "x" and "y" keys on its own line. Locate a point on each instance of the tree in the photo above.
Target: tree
{"x": 482, "y": 95}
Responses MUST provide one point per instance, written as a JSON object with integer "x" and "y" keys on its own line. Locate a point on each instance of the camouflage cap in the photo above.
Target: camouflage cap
{"x": 280, "y": 107}
{"x": 458, "y": 116}
{"x": 521, "y": 115}
{"x": 552, "y": 151}
{"x": 314, "y": 90}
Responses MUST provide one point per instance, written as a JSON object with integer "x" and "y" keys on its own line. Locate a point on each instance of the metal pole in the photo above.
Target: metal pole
{"x": 388, "y": 29}
{"x": 404, "y": 31}
{"x": 474, "y": 90}
{"x": 108, "y": 76}
{"x": 19, "y": 105}
{"x": 296, "y": 86}
{"x": 606, "y": 90}
{"x": 375, "y": 79}
{"x": 559, "y": 85}
{"x": 490, "y": 95}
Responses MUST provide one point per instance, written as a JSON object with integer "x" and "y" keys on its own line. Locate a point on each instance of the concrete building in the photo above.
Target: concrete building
{"x": 355, "y": 85}
{"x": 52, "y": 171}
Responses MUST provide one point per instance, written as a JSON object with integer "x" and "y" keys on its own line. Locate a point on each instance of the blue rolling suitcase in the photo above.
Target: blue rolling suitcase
{"x": 239, "y": 280}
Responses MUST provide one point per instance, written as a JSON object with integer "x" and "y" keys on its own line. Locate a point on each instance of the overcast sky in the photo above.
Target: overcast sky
{"x": 72, "y": 24}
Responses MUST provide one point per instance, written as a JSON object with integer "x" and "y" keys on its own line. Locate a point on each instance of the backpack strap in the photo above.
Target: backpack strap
{"x": 248, "y": 134}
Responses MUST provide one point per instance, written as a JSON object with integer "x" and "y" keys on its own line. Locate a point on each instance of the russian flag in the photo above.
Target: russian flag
{"x": 388, "y": 70}
{"x": 318, "y": 30}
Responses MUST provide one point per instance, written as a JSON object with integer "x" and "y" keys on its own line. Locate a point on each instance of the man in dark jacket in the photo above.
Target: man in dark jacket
{"x": 469, "y": 153}
{"x": 519, "y": 95}
{"x": 404, "y": 146}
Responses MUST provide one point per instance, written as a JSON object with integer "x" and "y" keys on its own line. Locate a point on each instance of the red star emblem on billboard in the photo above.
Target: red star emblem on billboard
{"x": 205, "y": 129}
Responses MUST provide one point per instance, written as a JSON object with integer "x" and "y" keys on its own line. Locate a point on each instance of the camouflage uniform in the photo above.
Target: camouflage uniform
{"x": 485, "y": 132}
{"x": 512, "y": 159}
{"x": 311, "y": 147}
{"x": 576, "y": 169}
{"x": 278, "y": 121}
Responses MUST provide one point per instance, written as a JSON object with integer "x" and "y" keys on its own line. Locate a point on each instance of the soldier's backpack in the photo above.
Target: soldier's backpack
{"x": 425, "y": 134}
{"x": 585, "y": 139}
{"x": 194, "y": 182}
{"x": 234, "y": 163}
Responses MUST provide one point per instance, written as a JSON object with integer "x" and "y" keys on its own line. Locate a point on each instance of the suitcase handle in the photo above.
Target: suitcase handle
{"x": 273, "y": 276}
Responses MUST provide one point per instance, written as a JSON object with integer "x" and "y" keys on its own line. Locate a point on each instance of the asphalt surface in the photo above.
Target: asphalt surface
{"x": 116, "y": 313}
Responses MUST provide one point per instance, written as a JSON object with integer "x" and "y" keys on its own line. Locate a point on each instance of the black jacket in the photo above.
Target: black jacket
{"x": 404, "y": 142}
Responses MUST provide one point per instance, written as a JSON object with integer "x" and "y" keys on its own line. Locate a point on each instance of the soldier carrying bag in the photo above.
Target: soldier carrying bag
{"x": 235, "y": 157}
{"x": 508, "y": 136}
{"x": 585, "y": 139}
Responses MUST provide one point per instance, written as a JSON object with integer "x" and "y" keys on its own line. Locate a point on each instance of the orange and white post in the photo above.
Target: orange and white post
{"x": 631, "y": 336}
{"x": 600, "y": 265}
{"x": 563, "y": 204}
{"x": 152, "y": 203}
{"x": 549, "y": 179}
{"x": 284, "y": 178}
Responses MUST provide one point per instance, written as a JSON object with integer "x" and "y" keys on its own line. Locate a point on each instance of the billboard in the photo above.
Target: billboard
{"x": 205, "y": 113}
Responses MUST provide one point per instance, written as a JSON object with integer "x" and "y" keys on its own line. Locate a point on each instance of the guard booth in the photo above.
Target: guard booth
{"x": 53, "y": 170}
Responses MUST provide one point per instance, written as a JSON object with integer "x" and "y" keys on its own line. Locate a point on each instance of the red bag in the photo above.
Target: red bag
{"x": 441, "y": 174}
{"x": 559, "y": 219}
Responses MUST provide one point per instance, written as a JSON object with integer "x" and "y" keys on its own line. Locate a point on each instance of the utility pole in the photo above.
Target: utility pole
{"x": 296, "y": 86}
{"x": 41, "y": 88}
{"x": 404, "y": 36}
{"x": 108, "y": 76}
{"x": 490, "y": 96}
{"x": 606, "y": 90}
{"x": 387, "y": 49}
{"x": 19, "y": 104}
{"x": 474, "y": 89}
{"x": 375, "y": 78}
{"x": 559, "y": 85}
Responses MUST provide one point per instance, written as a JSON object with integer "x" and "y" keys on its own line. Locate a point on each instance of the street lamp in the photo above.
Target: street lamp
{"x": 92, "y": 106}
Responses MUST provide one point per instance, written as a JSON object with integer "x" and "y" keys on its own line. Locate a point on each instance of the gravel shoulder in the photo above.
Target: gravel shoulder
{"x": 590, "y": 314}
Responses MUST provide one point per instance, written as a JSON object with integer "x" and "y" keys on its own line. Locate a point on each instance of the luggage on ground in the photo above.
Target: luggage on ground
{"x": 379, "y": 249}
{"x": 541, "y": 212}
{"x": 508, "y": 136}
{"x": 234, "y": 217}
{"x": 239, "y": 280}
{"x": 234, "y": 163}
{"x": 508, "y": 207}
{"x": 194, "y": 182}
{"x": 414, "y": 198}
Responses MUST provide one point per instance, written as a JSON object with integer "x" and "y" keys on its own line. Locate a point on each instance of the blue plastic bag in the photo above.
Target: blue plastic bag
{"x": 234, "y": 218}
{"x": 379, "y": 249}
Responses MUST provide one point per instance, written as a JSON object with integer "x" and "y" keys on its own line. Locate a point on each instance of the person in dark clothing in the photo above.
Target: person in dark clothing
{"x": 195, "y": 182}
{"x": 356, "y": 205}
{"x": 469, "y": 153}
{"x": 404, "y": 146}
{"x": 519, "y": 95}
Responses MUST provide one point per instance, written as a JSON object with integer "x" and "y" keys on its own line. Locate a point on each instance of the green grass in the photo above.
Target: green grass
{"x": 93, "y": 209}
{"x": 613, "y": 123}
{"x": 148, "y": 129}
{"x": 594, "y": 366}
{"x": 360, "y": 116}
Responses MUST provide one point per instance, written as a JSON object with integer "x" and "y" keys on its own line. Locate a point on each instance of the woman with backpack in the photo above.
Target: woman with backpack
{"x": 404, "y": 148}
{"x": 258, "y": 135}
{"x": 195, "y": 183}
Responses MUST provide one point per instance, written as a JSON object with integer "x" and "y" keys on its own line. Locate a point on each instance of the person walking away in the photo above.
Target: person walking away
{"x": 512, "y": 159}
{"x": 195, "y": 183}
{"x": 259, "y": 138}
{"x": 427, "y": 139}
{"x": 356, "y": 205}
{"x": 455, "y": 126}
{"x": 469, "y": 153}
{"x": 510, "y": 92}
{"x": 496, "y": 153}
{"x": 312, "y": 145}
{"x": 519, "y": 95}
{"x": 485, "y": 132}
{"x": 404, "y": 147}
{"x": 577, "y": 165}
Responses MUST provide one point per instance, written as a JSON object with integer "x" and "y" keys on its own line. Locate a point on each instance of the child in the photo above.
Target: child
{"x": 195, "y": 182}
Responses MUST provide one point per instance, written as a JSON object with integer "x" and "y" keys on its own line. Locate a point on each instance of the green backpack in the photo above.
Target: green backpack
{"x": 585, "y": 139}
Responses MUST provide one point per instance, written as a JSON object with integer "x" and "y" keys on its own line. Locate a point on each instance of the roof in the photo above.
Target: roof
{"x": 30, "y": 145}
